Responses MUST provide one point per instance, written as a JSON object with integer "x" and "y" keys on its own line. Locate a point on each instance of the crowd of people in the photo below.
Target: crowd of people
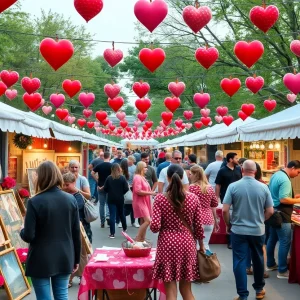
{"x": 160, "y": 191}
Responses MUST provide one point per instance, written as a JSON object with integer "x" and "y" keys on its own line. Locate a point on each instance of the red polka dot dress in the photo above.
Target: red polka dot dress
{"x": 176, "y": 248}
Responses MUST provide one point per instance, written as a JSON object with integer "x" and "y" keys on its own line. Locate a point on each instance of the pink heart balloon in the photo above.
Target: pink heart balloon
{"x": 87, "y": 112}
{"x": 97, "y": 124}
{"x": 292, "y": 82}
{"x": 137, "y": 123}
{"x": 11, "y": 94}
{"x": 176, "y": 88}
{"x": 113, "y": 57}
{"x": 205, "y": 112}
{"x": 71, "y": 120}
{"x": 98, "y": 129}
{"x": 201, "y": 99}
{"x": 86, "y": 99}
{"x": 112, "y": 90}
{"x": 47, "y": 109}
{"x": 196, "y": 17}
{"x": 120, "y": 115}
{"x": 57, "y": 100}
{"x": 291, "y": 97}
{"x": 218, "y": 119}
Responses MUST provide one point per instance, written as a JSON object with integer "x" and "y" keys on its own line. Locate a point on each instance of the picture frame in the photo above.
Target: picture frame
{"x": 20, "y": 203}
{"x": 15, "y": 281}
{"x": 31, "y": 174}
{"x": 85, "y": 240}
{"x": 62, "y": 159}
{"x": 12, "y": 218}
{"x": 4, "y": 239}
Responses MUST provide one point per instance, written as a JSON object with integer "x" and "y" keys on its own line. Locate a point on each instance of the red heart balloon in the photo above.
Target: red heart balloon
{"x": 188, "y": 114}
{"x": 90, "y": 125}
{"x": 295, "y": 47}
{"x": 152, "y": 59}
{"x": 113, "y": 57}
{"x": 222, "y": 110}
{"x": 270, "y": 104}
{"x": 142, "y": 117}
{"x": 172, "y": 103}
{"x": 71, "y": 87}
{"x": 230, "y": 86}
{"x": 264, "y": 17}
{"x": 143, "y": 104}
{"x": 207, "y": 56}
{"x": 62, "y": 113}
{"x": 149, "y": 124}
{"x": 57, "y": 99}
{"x": 196, "y": 17}
{"x": 167, "y": 123}
{"x": 292, "y": 82}
{"x": 242, "y": 115}
{"x": 33, "y": 100}
{"x": 39, "y": 105}
{"x": 205, "y": 121}
{"x": 205, "y": 112}
{"x": 248, "y": 109}
{"x": 176, "y": 88}
{"x": 9, "y": 77}
{"x": 86, "y": 99}
{"x": 88, "y": 9}
{"x": 112, "y": 127}
{"x": 254, "y": 84}
{"x": 178, "y": 123}
{"x": 152, "y": 13}
{"x": 101, "y": 115}
{"x": 87, "y": 113}
{"x": 249, "y": 53}
{"x": 141, "y": 89}
{"x": 228, "y": 120}
{"x": 105, "y": 122}
{"x": 56, "y": 53}
{"x": 201, "y": 99}
{"x": 123, "y": 123}
{"x": 112, "y": 90}
{"x": 116, "y": 103}
{"x": 198, "y": 124}
{"x": 167, "y": 116}
{"x": 119, "y": 131}
{"x": 81, "y": 122}
{"x": 5, "y": 4}
{"x": 11, "y": 94}
{"x": 30, "y": 85}
{"x": 3, "y": 88}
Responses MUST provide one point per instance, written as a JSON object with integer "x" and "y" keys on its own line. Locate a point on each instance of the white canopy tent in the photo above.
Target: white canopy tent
{"x": 282, "y": 125}
{"x": 199, "y": 137}
{"x": 150, "y": 142}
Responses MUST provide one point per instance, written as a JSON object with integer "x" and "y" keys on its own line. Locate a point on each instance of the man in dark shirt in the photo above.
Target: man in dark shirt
{"x": 103, "y": 170}
{"x": 227, "y": 175}
{"x": 119, "y": 157}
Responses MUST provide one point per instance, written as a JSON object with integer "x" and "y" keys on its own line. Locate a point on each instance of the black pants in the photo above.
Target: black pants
{"x": 128, "y": 210}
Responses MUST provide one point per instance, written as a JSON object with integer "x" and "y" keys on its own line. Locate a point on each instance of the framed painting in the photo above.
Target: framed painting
{"x": 12, "y": 167}
{"x": 31, "y": 175}
{"x": 20, "y": 203}
{"x": 85, "y": 240}
{"x": 12, "y": 218}
{"x": 62, "y": 160}
{"x": 15, "y": 282}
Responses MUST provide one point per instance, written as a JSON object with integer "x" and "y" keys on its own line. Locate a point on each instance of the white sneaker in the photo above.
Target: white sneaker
{"x": 284, "y": 275}
{"x": 120, "y": 225}
{"x": 136, "y": 225}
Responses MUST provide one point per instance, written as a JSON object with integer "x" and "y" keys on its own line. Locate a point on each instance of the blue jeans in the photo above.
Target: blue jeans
{"x": 284, "y": 236}
{"x": 103, "y": 207}
{"x": 113, "y": 211}
{"x": 59, "y": 287}
{"x": 240, "y": 249}
{"x": 95, "y": 193}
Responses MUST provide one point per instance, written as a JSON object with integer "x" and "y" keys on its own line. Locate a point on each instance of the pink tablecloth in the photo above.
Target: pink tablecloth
{"x": 118, "y": 273}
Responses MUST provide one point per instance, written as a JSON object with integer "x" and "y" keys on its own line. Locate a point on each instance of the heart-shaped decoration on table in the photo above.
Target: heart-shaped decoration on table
{"x": 218, "y": 119}
{"x": 98, "y": 275}
{"x": 11, "y": 94}
{"x": 249, "y": 53}
{"x": 201, "y": 99}
{"x": 152, "y": 13}
{"x": 5, "y": 4}
{"x": 86, "y": 99}
{"x": 264, "y": 17}
{"x": 270, "y": 104}
{"x": 101, "y": 115}
{"x": 254, "y": 84}
{"x": 9, "y": 77}
{"x": 172, "y": 103}
{"x": 248, "y": 109}
{"x": 119, "y": 285}
{"x": 141, "y": 89}
{"x": 88, "y": 9}
{"x": 198, "y": 124}
{"x": 292, "y": 82}
{"x": 205, "y": 112}
{"x": 87, "y": 113}
{"x": 143, "y": 105}
{"x": 295, "y": 47}
{"x": 57, "y": 99}
{"x": 116, "y": 103}
{"x": 196, "y": 17}
{"x": 71, "y": 87}
{"x": 139, "y": 275}
{"x": 81, "y": 122}
{"x": 56, "y": 53}
{"x": 188, "y": 114}
{"x": 30, "y": 85}
{"x": 222, "y": 110}
{"x": 62, "y": 113}
{"x": 242, "y": 115}
{"x": 228, "y": 120}
{"x": 112, "y": 56}
{"x": 152, "y": 58}
{"x": 47, "y": 109}
{"x": 33, "y": 100}
{"x": 206, "y": 121}
{"x": 207, "y": 56}
{"x": 176, "y": 88}
{"x": 291, "y": 97}
{"x": 112, "y": 90}
{"x": 230, "y": 86}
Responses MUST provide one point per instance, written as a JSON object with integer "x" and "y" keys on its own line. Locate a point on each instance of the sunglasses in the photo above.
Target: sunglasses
{"x": 177, "y": 158}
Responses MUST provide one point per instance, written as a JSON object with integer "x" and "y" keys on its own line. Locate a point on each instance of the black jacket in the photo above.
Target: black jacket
{"x": 52, "y": 229}
{"x": 116, "y": 189}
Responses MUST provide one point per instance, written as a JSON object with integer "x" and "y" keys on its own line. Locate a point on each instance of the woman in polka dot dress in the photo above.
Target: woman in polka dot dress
{"x": 208, "y": 200}
{"x": 176, "y": 257}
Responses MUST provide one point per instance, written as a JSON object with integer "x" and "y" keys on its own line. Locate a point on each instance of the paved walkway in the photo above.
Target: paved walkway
{"x": 222, "y": 288}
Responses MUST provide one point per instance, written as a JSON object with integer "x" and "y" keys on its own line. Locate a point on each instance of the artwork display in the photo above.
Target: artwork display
{"x": 12, "y": 167}
{"x": 4, "y": 239}
{"x": 11, "y": 269}
{"x": 86, "y": 242}
{"x": 31, "y": 175}
{"x": 62, "y": 159}
{"x": 12, "y": 218}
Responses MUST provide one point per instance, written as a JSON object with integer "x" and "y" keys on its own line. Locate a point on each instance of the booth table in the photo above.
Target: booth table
{"x": 119, "y": 273}
{"x": 295, "y": 255}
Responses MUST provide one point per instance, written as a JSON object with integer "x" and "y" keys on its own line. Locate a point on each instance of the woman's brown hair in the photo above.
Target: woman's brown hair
{"x": 175, "y": 190}
{"x": 200, "y": 178}
{"x": 48, "y": 176}
{"x": 115, "y": 171}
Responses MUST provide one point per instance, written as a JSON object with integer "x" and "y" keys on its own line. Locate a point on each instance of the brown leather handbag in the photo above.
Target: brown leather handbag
{"x": 209, "y": 265}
